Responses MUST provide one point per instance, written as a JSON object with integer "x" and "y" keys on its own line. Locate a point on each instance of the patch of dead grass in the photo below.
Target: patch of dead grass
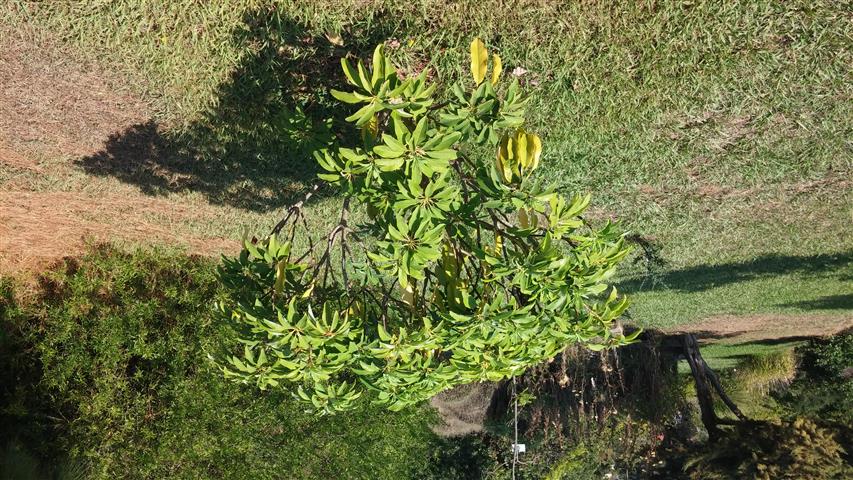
{"x": 53, "y": 105}
{"x": 767, "y": 326}
{"x": 463, "y": 409}
{"x": 37, "y": 228}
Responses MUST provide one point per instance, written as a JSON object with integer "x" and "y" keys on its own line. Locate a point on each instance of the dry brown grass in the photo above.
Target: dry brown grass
{"x": 12, "y": 159}
{"x": 39, "y": 227}
{"x": 750, "y": 328}
{"x": 50, "y": 104}
{"x": 54, "y": 110}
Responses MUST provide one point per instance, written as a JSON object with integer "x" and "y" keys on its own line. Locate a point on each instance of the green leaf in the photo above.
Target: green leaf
{"x": 442, "y": 154}
{"x": 366, "y": 111}
{"x": 383, "y": 334}
{"x": 389, "y": 164}
{"x": 387, "y": 151}
{"x": 418, "y": 134}
{"x": 350, "y": 73}
{"x": 363, "y": 78}
{"x": 378, "y": 66}
{"x": 393, "y": 143}
{"x": 348, "y": 97}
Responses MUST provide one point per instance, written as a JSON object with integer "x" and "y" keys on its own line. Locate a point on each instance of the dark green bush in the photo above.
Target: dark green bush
{"x": 833, "y": 356}
{"x": 822, "y": 388}
{"x": 118, "y": 378}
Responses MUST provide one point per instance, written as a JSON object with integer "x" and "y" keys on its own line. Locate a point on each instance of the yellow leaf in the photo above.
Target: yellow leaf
{"x": 534, "y": 150}
{"x": 503, "y": 161}
{"x": 521, "y": 150}
{"x": 280, "y": 278}
{"x": 407, "y": 294}
{"x": 497, "y": 68}
{"x": 523, "y": 220}
{"x": 355, "y": 310}
{"x": 370, "y": 130}
{"x": 479, "y": 60}
{"x": 511, "y": 160}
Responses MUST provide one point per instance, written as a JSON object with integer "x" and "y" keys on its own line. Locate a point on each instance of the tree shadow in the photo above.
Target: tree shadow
{"x": 830, "y": 302}
{"x": 705, "y": 277}
{"x": 252, "y": 149}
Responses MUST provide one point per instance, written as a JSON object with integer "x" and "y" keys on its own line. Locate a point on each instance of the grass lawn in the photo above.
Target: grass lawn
{"x": 718, "y": 133}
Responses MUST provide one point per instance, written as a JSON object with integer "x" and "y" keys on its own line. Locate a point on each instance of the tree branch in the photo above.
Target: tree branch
{"x": 294, "y": 209}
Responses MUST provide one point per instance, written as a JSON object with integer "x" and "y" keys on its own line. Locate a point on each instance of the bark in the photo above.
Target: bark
{"x": 705, "y": 380}
{"x": 703, "y": 391}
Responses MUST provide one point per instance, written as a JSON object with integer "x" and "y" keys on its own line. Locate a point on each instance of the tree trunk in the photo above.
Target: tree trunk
{"x": 703, "y": 392}
{"x": 705, "y": 379}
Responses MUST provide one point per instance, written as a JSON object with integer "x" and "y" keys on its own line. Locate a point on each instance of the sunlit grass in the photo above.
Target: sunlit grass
{"x": 718, "y": 133}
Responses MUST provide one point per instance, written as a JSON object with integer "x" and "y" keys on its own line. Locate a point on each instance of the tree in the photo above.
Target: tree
{"x": 466, "y": 270}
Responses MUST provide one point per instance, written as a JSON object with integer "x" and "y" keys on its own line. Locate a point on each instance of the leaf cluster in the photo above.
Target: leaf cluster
{"x": 467, "y": 269}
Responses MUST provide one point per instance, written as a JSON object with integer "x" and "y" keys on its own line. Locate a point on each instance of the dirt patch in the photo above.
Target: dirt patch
{"x": 750, "y": 328}
{"x": 712, "y": 194}
{"x": 732, "y": 131}
{"x": 38, "y": 227}
{"x": 713, "y": 128}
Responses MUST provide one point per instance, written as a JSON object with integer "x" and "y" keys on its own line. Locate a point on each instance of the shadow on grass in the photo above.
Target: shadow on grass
{"x": 706, "y": 337}
{"x": 705, "y": 277}
{"x": 830, "y": 302}
{"x": 252, "y": 149}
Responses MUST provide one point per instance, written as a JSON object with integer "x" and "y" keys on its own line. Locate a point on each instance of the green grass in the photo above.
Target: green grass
{"x": 718, "y": 133}
{"x": 785, "y": 285}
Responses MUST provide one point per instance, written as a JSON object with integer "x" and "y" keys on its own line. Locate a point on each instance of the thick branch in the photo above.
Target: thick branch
{"x": 719, "y": 388}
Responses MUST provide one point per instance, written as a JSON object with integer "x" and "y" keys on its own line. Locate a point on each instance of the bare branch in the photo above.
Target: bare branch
{"x": 294, "y": 209}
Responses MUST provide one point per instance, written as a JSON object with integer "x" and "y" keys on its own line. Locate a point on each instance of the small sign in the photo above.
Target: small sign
{"x": 519, "y": 448}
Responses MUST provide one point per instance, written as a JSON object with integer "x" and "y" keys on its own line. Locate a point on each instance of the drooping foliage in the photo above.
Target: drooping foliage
{"x": 467, "y": 269}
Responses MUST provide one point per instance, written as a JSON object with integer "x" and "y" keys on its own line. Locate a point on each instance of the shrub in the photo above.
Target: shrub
{"x": 467, "y": 270}
{"x": 822, "y": 388}
{"x": 120, "y": 339}
{"x": 831, "y": 356}
{"x": 798, "y": 449}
